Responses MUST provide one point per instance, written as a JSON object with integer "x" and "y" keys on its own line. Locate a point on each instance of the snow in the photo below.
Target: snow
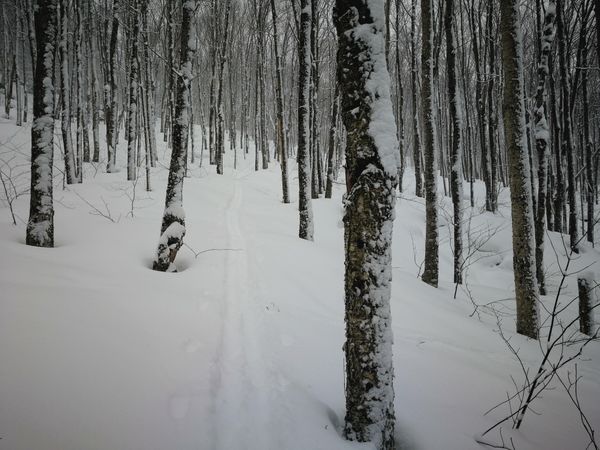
{"x": 382, "y": 127}
{"x": 238, "y": 350}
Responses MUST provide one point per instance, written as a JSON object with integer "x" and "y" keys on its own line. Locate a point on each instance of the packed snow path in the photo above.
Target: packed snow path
{"x": 240, "y": 382}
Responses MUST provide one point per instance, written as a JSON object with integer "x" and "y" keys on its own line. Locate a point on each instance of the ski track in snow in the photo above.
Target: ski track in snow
{"x": 240, "y": 381}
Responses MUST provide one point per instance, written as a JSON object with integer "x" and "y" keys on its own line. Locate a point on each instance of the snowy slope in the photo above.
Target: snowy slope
{"x": 242, "y": 349}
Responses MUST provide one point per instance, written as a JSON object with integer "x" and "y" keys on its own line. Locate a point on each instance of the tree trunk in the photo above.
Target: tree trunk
{"x": 332, "y": 133}
{"x": 542, "y": 140}
{"x": 306, "y": 230}
{"x": 456, "y": 188}
{"x": 415, "y": 107}
{"x": 40, "y": 227}
{"x": 70, "y": 169}
{"x": 173, "y": 223}
{"x": 280, "y": 140}
{"x": 111, "y": 112}
{"x": 133, "y": 95}
{"x": 430, "y": 272}
{"x": 520, "y": 190}
{"x": 371, "y": 177}
{"x": 79, "y": 134}
{"x": 400, "y": 99}
{"x": 220, "y": 124}
{"x": 567, "y": 138}
{"x": 589, "y": 149}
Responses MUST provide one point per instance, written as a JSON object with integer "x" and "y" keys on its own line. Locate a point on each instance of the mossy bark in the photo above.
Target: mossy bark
{"x": 368, "y": 220}
{"x": 518, "y": 161}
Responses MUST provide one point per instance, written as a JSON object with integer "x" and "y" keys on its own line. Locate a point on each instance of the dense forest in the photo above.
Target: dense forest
{"x": 484, "y": 115}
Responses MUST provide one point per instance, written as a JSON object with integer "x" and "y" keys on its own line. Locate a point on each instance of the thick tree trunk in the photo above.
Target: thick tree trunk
{"x": 371, "y": 177}
{"x": 40, "y": 227}
{"x": 523, "y": 232}
{"x": 172, "y": 229}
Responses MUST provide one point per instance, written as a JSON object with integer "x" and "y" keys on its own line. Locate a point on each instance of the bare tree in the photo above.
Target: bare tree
{"x": 456, "y": 188}
{"x": 306, "y": 230}
{"x": 523, "y": 235}
{"x": 371, "y": 178}
{"x": 430, "y": 272}
{"x": 40, "y": 227}
{"x": 172, "y": 229}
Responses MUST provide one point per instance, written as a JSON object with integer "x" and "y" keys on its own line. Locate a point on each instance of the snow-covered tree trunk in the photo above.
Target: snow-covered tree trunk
{"x": 173, "y": 224}
{"x": 456, "y": 188}
{"x": 134, "y": 71}
{"x": 40, "y": 227}
{"x": 430, "y": 272}
{"x": 306, "y": 229}
{"x": 523, "y": 235}
{"x": 542, "y": 139}
{"x": 371, "y": 175}
{"x": 70, "y": 171}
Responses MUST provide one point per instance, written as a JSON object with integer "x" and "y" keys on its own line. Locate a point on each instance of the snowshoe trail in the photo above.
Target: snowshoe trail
{"x": 242, "y": 412}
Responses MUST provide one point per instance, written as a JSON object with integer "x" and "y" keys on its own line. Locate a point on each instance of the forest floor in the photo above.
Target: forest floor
{"x": 242, "y": 348}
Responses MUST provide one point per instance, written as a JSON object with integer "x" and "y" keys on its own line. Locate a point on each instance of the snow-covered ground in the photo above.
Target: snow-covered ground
{"x": 242, "y": 349}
